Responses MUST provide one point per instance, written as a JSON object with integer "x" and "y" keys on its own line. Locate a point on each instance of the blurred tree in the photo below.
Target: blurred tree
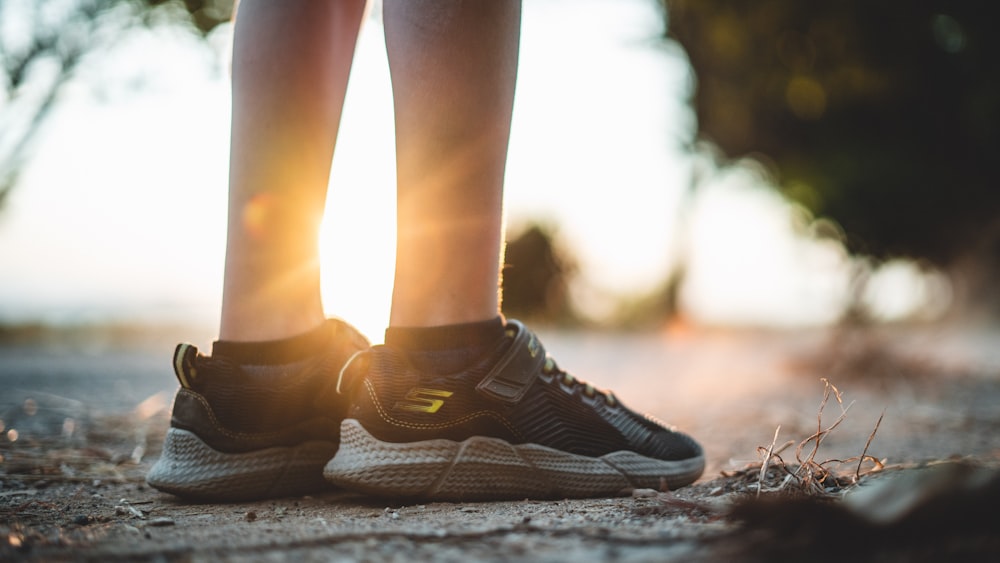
{"x": 42, "y": 42}
{"x": 881, "y": 115}
{"x": 536, "y": 277}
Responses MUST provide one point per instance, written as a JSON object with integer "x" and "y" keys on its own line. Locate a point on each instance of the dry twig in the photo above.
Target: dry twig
{"x": 810, "y": 477}
{"x": 767, "y": 460}
{"x": 864, "y": 453}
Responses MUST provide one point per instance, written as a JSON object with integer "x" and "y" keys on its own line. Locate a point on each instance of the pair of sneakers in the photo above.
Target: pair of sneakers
{"x": 512, "y": 425}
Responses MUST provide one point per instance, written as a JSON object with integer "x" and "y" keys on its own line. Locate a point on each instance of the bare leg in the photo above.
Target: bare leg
{"x": 453, "y": 65}
{"x": 291, "y": 62}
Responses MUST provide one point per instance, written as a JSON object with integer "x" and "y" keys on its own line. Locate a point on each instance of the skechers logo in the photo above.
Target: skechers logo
{"x": 420, "y": 400}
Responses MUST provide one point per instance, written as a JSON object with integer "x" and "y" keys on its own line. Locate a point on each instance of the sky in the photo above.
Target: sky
{"x": 121, "y": 212}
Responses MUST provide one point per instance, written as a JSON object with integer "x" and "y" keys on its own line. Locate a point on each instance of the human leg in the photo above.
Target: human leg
{"x": 260, "y": 416}
{"x": 442, "y": 411}
{"x": 291, "y": 62}
{"x": 453, "y": 66}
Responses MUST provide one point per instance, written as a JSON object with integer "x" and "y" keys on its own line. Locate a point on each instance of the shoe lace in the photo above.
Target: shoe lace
{"x": 552, "y": 369}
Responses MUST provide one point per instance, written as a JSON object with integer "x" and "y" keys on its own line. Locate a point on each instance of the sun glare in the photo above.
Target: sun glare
{"x": 599, "y": 115}
{"x": 358, "y": 236}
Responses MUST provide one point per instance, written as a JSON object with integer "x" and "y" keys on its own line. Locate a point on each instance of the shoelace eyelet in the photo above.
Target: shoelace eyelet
{"x": 567, "y": 380}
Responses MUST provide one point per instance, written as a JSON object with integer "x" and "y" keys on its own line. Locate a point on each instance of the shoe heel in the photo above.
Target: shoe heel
{"x": 190, "y": 468}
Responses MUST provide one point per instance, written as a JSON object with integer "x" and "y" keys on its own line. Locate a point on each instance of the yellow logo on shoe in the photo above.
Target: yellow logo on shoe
{"x": 418, "y": 400}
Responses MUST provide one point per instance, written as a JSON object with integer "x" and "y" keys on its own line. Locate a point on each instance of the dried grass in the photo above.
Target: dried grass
{"x": 807, "y": 476}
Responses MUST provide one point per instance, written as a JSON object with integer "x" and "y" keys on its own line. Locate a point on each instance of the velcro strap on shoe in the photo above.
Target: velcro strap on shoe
{"x": 510, "y": 378}
{"x": 184, "y": 369}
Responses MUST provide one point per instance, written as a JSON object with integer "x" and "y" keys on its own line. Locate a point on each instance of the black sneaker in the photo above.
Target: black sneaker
{"x": 513, "y": 426}
{"x": 241, "y": 432}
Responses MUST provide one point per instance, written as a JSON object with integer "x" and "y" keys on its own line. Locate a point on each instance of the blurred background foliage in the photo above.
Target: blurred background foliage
{"x": 879, "y": 115}
{"x": 43, "y": 42}
{"x": 536, "y": 276}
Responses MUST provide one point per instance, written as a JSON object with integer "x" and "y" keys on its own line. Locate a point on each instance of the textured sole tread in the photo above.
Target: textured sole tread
{"x": 482, "y": 468}
{"x": 190, "y": 468}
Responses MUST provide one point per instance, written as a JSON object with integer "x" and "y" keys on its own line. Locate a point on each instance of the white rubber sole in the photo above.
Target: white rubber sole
{"x": 189, "y": 468}
{"x": 482, "y": 468}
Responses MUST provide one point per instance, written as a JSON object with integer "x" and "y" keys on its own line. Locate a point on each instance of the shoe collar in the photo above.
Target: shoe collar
{"x": 184, "y": 368}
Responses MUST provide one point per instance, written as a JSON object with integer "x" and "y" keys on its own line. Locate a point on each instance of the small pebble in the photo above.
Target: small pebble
{"x": 643, "y": 493}
{"x": 250, "y": 516}
{"x": 128, "y": 509}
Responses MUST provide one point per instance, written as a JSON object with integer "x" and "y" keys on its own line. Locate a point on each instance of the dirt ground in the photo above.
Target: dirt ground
{"x": 82, "y": 415}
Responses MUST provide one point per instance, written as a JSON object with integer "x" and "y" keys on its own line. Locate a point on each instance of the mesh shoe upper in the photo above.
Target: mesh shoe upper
{"x": 517, "y": 394}
{"x": 241, "y": 408}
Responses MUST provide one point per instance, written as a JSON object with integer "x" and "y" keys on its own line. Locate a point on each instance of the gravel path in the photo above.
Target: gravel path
{"x": 88, "y": 412}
